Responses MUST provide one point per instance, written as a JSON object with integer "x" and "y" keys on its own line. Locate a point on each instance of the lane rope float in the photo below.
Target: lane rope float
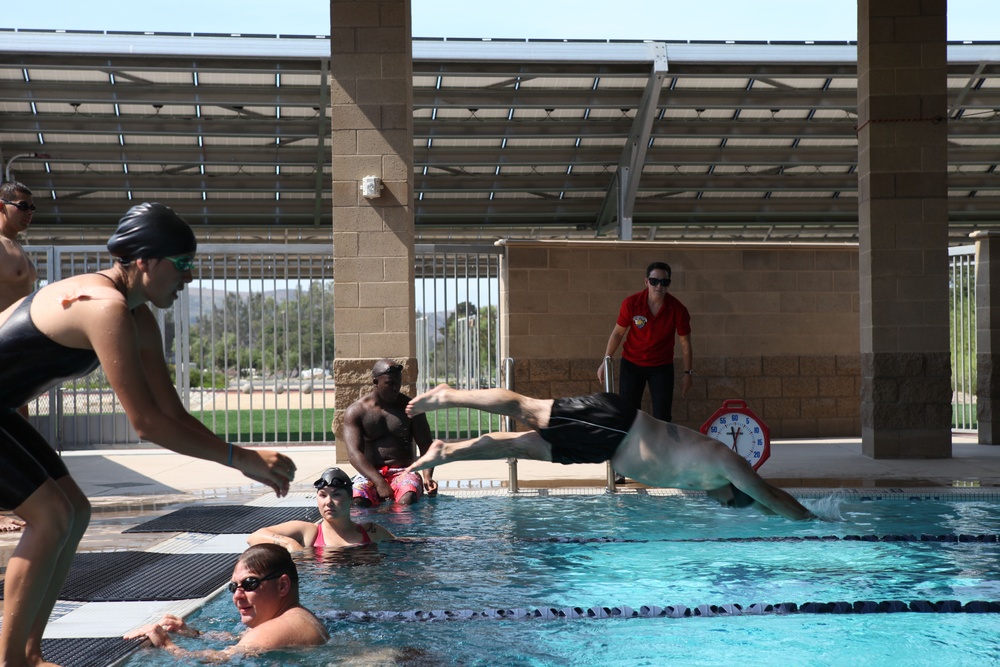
{"x": 670, "y": 611}
{"x": 950, "y": 537}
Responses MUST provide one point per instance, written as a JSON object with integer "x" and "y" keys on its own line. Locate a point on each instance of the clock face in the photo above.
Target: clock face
{"x": 741, "y": 430}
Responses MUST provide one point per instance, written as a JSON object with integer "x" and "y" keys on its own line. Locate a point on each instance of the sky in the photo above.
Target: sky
{"x": 796, "y": 20}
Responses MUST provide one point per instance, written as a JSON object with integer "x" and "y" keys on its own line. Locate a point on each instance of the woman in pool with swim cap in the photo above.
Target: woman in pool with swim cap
{"x": 64, "y": 331}
{"x": 335, "y": 528}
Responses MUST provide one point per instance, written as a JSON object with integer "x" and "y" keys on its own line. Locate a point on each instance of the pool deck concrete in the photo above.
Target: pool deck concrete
{"x": 143, "y": 476}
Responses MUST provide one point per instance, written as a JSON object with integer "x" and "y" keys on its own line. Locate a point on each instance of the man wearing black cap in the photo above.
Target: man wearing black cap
{"x": 380, "y": 439}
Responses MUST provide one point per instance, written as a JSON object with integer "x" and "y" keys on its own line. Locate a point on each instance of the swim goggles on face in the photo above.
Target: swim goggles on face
{"x": 250, "y": 584}
{"x": 334, "y": 482}
{"x": 184, "y": 263}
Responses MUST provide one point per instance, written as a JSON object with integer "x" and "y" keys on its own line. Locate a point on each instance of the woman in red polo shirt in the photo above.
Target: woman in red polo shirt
{"x": 648, "y": 321}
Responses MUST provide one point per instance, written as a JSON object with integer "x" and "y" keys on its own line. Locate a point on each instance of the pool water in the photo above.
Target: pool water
{"x": 497, "y": 552}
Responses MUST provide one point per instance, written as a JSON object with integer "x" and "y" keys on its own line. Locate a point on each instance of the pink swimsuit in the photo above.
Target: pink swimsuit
{"x": 321, "y": 541}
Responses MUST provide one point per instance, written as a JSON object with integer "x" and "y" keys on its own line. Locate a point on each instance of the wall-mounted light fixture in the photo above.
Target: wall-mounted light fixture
{"x": 371, "y": 187}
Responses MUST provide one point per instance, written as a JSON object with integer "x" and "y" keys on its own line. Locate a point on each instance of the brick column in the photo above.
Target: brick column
{"x": 371, "y": 86}
{"x": 903, "y": 229}
{"x": 987, "y": 335}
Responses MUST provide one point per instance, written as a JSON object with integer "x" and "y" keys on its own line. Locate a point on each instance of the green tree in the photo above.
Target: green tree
{"x": 269, "y": 335}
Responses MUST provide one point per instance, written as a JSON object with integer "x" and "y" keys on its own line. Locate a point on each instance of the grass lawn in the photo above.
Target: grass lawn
{"x": 314, "y": 425}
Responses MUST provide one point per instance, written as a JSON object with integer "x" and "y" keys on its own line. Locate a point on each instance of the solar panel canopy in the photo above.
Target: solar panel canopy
{"x": 523, "y": 139}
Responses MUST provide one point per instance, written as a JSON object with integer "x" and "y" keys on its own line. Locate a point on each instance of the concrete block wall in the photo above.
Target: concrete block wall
{"x": 371, "y": 120}
{"x": 774, "y": 325}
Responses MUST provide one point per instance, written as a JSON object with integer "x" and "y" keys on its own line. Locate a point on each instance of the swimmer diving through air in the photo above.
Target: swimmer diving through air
{"x": 64, "y": 331}
{"x": 603, "y": 427}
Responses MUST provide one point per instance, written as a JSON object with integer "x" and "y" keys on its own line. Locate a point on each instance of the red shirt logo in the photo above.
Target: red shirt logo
{"x": 639, "y": 321}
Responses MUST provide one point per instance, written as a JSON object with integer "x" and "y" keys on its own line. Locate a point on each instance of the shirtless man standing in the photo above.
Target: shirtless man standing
{"x": 380, "y": 435}
{"x": 17, "y": 273}
{"x": 602, "y": 427}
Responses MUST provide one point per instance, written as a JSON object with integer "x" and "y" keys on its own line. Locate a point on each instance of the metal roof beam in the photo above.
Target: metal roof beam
{"x": 67, "y": 182}
{"x": 620, "y": 198}
{"x": 609, "y": 156}
{"x": 258, "y": 155}
{"x": 617, "y": 98}
{"x": 161, "y": 93}
{"x": 652, "y": 183}
{"x": 165, "y": 126}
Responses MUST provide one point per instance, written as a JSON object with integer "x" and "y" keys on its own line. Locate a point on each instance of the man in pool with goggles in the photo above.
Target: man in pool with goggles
{"x": 603, "y": 427}
{"x": 265, "y": 590}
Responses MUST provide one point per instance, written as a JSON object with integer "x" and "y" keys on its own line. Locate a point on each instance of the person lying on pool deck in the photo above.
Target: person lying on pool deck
{"x": 335, "y": 528}
{"x": 603, "y": 427}
{"x": 265, "y": 588}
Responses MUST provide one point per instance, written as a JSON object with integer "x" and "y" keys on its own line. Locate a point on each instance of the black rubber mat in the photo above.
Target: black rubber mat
{"x": 92, "y": 652}
{"x": 224, "y": 519}
{"x": 143, "y": 575}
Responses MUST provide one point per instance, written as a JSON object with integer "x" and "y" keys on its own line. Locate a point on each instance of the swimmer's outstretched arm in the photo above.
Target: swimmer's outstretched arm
{"x": 291, "y": 535}
{"x": 158, "y": 635}
{"x": 767, "y": 497}
{"x": 130, "y": 349}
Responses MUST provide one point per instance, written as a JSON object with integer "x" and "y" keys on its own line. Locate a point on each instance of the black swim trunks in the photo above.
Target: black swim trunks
{"x": 587, "y": 429}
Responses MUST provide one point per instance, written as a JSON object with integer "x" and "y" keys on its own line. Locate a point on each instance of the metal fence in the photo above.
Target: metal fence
{"x": 251, "y": 342}
{"x": 458, "y": 342}
{"x": 962, "y": 306}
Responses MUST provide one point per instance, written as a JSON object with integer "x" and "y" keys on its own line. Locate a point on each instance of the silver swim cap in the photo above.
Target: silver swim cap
{"x": 149, "y": 231}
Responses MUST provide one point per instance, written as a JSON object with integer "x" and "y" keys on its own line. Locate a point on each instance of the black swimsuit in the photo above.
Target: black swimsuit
{"x": 587, "y": 429}
{"x": 30, "y": 364}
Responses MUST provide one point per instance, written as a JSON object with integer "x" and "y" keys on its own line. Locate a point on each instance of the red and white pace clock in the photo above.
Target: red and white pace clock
{"x": 738, "y": 427}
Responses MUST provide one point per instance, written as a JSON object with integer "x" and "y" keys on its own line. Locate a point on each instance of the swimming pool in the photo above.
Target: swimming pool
{"x": 532, "y": 553}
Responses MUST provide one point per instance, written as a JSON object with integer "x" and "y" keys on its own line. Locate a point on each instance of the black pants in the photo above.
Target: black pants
{"x": 632, "y": 383}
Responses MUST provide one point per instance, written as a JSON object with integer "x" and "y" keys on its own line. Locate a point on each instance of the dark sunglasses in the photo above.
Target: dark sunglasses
{"x": 250, "y": 584}
{"x": 19, "y": 205}
{"x": 396, "y": 368}
{"x": 655, "y": 282}
{"x": 185, "y": 263}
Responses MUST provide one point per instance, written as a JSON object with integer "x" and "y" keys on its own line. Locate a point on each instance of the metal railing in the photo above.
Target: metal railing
{"x": 609, "y": 386}
{"x": 508, "y": 424}
{"x": 962, "y": 306}
{"x": 457, "y": 299}
{"x": 251, "y": 342}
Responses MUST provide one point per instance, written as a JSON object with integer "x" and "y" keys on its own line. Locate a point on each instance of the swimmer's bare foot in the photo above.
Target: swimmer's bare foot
{"x": 9, "y": 524}
{"x": 433, "y": 457}
{"x": 427, "y": 401}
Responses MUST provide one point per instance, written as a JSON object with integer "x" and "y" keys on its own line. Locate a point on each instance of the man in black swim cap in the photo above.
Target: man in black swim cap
{"x": 151, "y": 231}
